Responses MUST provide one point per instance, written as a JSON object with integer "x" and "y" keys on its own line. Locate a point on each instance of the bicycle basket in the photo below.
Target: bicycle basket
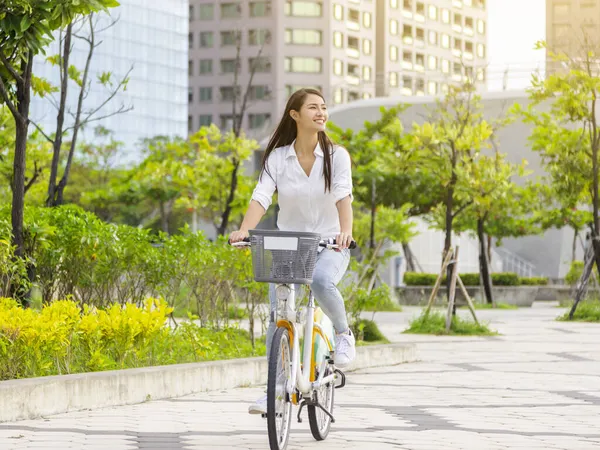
{"x": 284, "y": 256}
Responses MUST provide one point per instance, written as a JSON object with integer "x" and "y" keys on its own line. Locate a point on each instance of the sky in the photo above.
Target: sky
{"x": 513, "y": 28}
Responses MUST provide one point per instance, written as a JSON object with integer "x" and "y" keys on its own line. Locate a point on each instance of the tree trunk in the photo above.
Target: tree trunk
{"x": 60, "y": 118}
{"x": 489, "y": 249}
{"x": 410, "y": 262}
{"x": 164, "y": 217}
{"x": 233, "y": 186}
{"x": 483, "y": 263}
{"x": 574, "y": 247}
{"x": 373, "y": 213}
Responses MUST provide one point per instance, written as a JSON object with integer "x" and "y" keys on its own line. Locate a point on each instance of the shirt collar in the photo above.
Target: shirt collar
{"x": 291, "y": 151}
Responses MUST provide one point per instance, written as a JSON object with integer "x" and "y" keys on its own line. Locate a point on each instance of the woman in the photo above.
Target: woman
{"x": 314, "y": 183}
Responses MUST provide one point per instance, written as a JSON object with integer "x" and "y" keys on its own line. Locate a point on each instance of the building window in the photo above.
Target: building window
{"x": 432, "y": 62}
{"x": 433, "y": 12}
{"x": 421, "y": 9}
{"x": 480, "y": 26}
{"x": 228, "y": 93}
{"x": 432, "y": 88}
{"x": 433, "y": 37}
{"x": 445, "y": 66}
{"x": 458, "y": 45}
{"x": 191, "y": 13}
{"x": 354, "y": 43}
{"x": 366, "y": 95}
{"x": 393, "y": 53}
{"x": 338, "y": 67}
{"x": 260, "y": 65}
{"x": 290, "y": 89}
{"x": 260, "y": 92}
{"x": 468, "y": 47}
{"x": 190, "y": 67}
{"x": 469, "y": 24}
{"x": 367, "y": 47}
{"x": 407, "y": 58}
{"x": 407, "y": 84}
{"x": 366, "y": 73}
{"x": 190, "y": 95}
{"x": 338, "y": 39}
{"x": 353, "y": 96}
{"x": 367, "y": 20}
{"x": 229, "y": 38}
{"x": 354, "y": 17}
{"x": 205, "y": 120}
{"x": 338, "y": 96}
{"x": 445, "y": 16}
{"x": 407, "y": 5}
{"x": 338, "y": 12}
{"x": 481, "y": 50}
{"x": 231, "y": 10}
{"x": 420, "y": 60}
{"x": 303, "y": 37}
{"x": 407, "y": 34}
{"x": 353, "y": 70}
{"x": 303, "y": 8}
{"x": 457, "y": 69}
{"x": 207, "y": 12}
{"x": 260, "y": 9}
{"x": 207, "y": 39}
{"x": 190, "y": 123}
{"x": 301, "y": 64}
{"x": 394, "y": 4}
{"x": 227, "y": 121}
{"x": 205, "y": 94}
{"x": 445, "y": 40}
{"x": 206, "y": 66}
{"x": 259, "y": 37}
{"x": 228, "y": 65}
{"x": 191, "y": 40}
{"x": 480, "y": 4}
{"x": 420, "y": 86}
{"x": 258, "y": 120}
{"x": 481, "y": 75}
{"x": 393, "y": 79}
{"x": 393, "y": 27}
{"x": 420, "y": 35}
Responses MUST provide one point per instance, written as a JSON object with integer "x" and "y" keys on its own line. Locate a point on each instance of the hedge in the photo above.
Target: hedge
{"x": 472, "y": 279}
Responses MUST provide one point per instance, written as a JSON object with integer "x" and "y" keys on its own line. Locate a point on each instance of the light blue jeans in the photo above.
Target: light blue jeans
{"x": 329, "y": 270}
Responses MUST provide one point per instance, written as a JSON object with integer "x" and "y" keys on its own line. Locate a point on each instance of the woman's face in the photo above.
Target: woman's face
{"x": 312, "y": 115}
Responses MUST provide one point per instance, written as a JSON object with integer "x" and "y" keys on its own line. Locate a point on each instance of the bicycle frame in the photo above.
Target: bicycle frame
{"x": 303, "y": 377}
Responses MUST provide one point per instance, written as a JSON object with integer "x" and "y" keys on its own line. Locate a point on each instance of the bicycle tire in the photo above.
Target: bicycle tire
{"x": 320, "y": 423}
{"x": 276, "y": 394}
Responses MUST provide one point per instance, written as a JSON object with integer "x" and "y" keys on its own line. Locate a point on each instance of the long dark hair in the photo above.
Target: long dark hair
{"x": 287, "y": 130}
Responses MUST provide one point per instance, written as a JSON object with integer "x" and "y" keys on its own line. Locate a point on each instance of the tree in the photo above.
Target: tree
{"x": 83, "y": 83}
{"x": 26, "y": 26}
{"x": 568, "y": 136}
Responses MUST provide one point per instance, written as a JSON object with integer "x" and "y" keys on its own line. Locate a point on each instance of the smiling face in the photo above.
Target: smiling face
{"x": 312, "y": 116}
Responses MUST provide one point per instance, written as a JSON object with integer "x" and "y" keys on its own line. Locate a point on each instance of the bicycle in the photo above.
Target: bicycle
{"x": 286, "y": 259}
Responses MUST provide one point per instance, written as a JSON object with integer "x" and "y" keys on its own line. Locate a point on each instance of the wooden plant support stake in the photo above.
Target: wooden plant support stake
{"x": 452, "y": 291}
{"x": 469, "y": 302}
{"x": 438, "y": 282}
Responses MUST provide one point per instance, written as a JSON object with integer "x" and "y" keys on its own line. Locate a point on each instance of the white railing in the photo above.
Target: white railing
{"x": 511, "y": 262}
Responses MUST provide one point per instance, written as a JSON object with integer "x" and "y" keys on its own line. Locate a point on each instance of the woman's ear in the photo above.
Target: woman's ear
{"x": 294, "y": 114}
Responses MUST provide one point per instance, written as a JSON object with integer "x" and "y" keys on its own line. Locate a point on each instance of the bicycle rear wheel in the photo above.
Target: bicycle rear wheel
{"x": 320, "y": 423}
{"x": 279, "y": 404}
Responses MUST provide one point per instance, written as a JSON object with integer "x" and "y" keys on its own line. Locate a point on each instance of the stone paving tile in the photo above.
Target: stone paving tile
{"x": 534, "y": 387}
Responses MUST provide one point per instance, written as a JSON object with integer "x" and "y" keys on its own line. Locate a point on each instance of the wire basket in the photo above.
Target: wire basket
{"x": 284, "y": 257}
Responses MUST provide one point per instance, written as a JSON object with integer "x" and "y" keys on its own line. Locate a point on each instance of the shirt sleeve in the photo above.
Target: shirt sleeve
{"x": 342, "y": 175}
{"x": 267, "y": 183}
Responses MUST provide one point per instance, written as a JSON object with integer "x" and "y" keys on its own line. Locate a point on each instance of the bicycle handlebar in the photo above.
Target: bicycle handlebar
{"x": 331, "y": 244}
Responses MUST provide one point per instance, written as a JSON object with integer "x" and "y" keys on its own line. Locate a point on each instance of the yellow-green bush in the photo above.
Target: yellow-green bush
{"x": 62, "y": 338}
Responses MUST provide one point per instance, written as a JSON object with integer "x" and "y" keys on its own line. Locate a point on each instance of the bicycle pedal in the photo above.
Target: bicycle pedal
{"x": 342, "y": 376}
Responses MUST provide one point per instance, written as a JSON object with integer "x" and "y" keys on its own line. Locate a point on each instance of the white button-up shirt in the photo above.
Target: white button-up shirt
{"x": 303, "y": 203}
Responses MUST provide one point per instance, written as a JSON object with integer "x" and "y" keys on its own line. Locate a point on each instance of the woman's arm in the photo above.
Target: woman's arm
{"x": 344, "y": 207}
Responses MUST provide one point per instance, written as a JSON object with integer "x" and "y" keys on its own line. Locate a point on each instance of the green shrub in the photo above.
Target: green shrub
{"x": 419, "y": 279}
{"x": 368, "y": 331}
{"x": 435, "y": 323}
{"x": 587, "y": 311}
{"x": 63, "y": 338}
{"x": 498, "y": 306}
{"x": 469, "y": 279}
{"x": 505, "y": 279}
{"x": 533, "y": 281}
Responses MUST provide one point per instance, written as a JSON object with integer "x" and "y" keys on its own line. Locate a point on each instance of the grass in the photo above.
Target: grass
{"x": 587, "y": 311}
{"x": 365, "y": 343}
{"x": 498, "y": 306}
{"x": 435, "y": 323}
{"x": 387, "y": 307}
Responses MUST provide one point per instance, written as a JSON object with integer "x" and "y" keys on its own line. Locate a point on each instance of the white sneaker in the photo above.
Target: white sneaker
{"x": 345, "y": 349}
{"x": 259, "y": 407}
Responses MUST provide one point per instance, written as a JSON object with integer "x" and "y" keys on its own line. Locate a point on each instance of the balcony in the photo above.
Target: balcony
{"x": 352, "y": 79}
{"x": 353, "y": 52}
{"x": 351, "y": 25}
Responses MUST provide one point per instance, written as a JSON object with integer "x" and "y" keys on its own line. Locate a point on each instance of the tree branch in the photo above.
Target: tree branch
{"x": 48, "y": 138}
{"x": 13, "y": 109}
{"x": 462, "y": 208}
{"x": 16, "y": 75}
{"x": 86, "y": 121}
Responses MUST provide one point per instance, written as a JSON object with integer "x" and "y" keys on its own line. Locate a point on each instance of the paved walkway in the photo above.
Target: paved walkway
{"x": 537, "y": 386}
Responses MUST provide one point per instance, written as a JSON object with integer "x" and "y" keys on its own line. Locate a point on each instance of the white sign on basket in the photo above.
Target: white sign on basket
{"x": 280, "y": 243}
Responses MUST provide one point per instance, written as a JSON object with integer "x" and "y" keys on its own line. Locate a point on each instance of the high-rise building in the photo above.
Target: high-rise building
{"x": 148, "y": 35}
{"x": 572, "y": 27}
{"x": 349, "y": 49}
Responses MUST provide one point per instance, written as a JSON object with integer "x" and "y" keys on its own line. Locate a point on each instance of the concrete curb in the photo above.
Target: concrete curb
{"x": 37, "y": 397}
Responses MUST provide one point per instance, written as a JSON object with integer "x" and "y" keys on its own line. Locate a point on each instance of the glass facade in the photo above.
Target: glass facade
{"x": 150, "y": 36}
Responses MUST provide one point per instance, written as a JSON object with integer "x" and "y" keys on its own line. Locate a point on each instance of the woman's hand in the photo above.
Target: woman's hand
{"x": 238, "y": 236}
{"x": 343, "y": 240}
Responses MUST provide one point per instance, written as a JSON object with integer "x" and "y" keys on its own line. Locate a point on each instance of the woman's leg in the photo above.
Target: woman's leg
{"x": 329, "y": 270}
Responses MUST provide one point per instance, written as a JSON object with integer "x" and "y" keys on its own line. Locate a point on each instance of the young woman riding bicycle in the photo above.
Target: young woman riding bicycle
{"x": 313, "y": 179}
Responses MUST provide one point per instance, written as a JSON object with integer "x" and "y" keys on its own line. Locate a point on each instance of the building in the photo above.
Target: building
{"x": 572, "y": 27}
{"x": 349, "y": 49}
{"x": 150, "y": 36}
{"x": 548, "y": 254}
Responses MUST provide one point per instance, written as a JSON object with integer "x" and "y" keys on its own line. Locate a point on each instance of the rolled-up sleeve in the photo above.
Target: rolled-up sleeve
{"x": 267, "y": 183}
{"x": 342, "y": 175}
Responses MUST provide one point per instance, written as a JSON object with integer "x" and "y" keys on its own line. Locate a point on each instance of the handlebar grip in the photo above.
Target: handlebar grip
{"x": 247, "y": 239}
{"x": 351, "y": 246}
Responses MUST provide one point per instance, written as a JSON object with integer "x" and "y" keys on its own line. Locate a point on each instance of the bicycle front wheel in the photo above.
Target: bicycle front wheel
{"x": 279, "y": 403}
